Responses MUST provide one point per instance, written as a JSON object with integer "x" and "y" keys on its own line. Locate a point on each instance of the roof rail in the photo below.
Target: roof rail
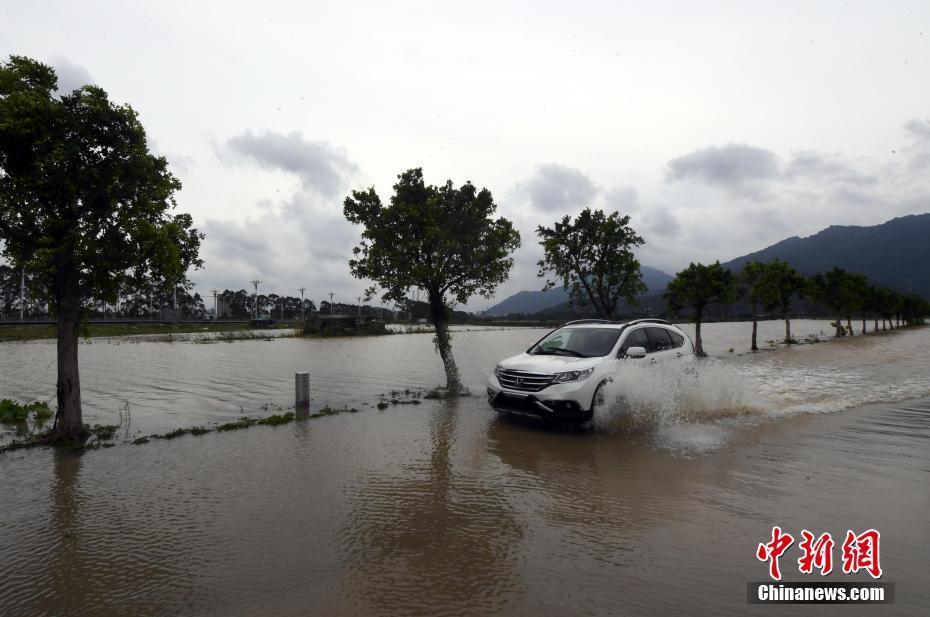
{"x": 577, "y": 321}
{"x": 648, "y": 320}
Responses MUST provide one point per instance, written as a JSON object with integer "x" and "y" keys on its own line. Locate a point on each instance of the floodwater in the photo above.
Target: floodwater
{"x": 445, "y": 508}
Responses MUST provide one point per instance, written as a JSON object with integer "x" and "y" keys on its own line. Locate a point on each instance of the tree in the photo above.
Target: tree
{"x": 593, "y": 257}
{"x": 832, "y": 290}
{"x": 439, "y": 239}
{"x": 82, "y": 202}
{"x": 784, "y": 282}
{"x": 697, "y": 286}
{"x": 857, "y": 290}
{"x": 756, "y": 289}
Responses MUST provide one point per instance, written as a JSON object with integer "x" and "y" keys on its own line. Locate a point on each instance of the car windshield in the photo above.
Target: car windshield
{"x": 578, "y": 342}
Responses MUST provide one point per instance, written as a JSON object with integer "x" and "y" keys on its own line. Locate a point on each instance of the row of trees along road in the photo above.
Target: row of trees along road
{"x": 445, "y": 241}
{"x": 84, "y": 205}
{"x": 775, "y": 285}
{"x": 86, "y": 209}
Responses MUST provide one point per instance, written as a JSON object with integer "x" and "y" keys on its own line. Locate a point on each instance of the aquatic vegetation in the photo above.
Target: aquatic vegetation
{"x": 395, "y": 398}
{"x": 277, "y": 419}
{"x": 326, "y": 410}
{"x": 241, "y": 423}
{"x": 12, "y": 412}
{"x": 140, "y": 441}
{"x": 104, "y": 432}
{"x": 173, "y": 434}
{"x": 440, "y": 393}
{"x": 32, "y": 442}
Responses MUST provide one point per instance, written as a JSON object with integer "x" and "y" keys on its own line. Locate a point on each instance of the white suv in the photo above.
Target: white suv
{"x": 563, "y": 375}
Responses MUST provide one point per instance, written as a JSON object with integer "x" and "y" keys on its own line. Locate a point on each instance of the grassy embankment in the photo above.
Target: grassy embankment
{"x": 33, "y": 332}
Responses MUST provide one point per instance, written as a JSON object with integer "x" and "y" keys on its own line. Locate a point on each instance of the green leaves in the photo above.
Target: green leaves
{"x": 771, "y": 284}
{"x": 593, "y": 257}
{"x": 698, "y": 285}
{"x": 438, "y": 238}
{"x": 78, "y": 184}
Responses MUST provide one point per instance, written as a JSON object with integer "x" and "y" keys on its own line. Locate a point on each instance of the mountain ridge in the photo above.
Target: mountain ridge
{"x": 894, "y": 254}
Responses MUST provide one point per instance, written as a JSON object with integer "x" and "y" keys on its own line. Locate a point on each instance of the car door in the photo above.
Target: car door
{"x": 635, "y": 338}
{"x": 681, "y": 346}
{"x": 661, "y": 344}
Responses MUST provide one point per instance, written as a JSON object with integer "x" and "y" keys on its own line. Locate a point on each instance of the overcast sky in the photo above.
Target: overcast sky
{"x": 721, "y": 128}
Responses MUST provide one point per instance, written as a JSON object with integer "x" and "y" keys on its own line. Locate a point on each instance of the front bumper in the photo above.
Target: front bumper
{"x": 553, "y": 405}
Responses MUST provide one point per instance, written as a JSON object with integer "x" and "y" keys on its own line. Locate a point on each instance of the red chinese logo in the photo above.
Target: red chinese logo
{"x": 771, "y": 551}
{"x": 861, "y": 553}
{"x": 816, "y": 553}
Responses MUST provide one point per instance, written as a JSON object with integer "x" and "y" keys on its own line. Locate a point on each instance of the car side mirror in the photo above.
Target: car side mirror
{"x": 636, "y": 352}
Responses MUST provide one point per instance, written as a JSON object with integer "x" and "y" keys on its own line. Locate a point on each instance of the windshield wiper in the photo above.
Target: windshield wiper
{"x": 577, "y": 354}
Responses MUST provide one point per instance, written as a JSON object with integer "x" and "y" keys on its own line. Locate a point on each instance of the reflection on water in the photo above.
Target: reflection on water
{"x": 448, "y": 509}
{"x": 415, "y": 527}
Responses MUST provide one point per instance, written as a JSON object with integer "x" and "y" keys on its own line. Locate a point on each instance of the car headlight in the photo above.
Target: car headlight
{"x": 573, "y": 376}
{"x": 497, "y": 371}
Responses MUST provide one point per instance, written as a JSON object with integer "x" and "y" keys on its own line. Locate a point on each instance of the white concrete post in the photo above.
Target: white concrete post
{"x": 301, "y": 390}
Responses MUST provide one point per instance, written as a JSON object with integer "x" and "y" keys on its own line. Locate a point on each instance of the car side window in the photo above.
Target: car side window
{"x": 636, "y": 338}
{"x": 659, "y": 339}
{"x": 677, "y": 339}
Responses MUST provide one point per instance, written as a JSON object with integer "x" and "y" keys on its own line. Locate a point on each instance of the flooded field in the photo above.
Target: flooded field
{"x": 446, "y": 508}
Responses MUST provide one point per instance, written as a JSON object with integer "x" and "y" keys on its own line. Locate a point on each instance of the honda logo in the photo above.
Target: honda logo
{"x": 519, "y": 381}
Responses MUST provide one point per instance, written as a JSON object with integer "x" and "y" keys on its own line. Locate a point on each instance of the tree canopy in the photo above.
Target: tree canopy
{"x": 593, "y": 258}
{"x": 697, "y": 286}
{"x": 83, "y": 204}
{"x": 441, "y": 239}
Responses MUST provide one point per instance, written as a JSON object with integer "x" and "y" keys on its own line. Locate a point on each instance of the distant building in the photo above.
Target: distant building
{"x": 321, "y": 323}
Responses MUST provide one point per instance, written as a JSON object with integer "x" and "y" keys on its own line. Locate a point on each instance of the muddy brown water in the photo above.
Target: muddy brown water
{"x": 445, "y": 508}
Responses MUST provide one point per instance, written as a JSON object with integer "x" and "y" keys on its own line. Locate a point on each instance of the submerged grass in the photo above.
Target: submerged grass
{"x": 277, "y": 419}
{"x": 101, "y": 434}
{"x": 12, "y": 412}
{"x": 241, "y": 423}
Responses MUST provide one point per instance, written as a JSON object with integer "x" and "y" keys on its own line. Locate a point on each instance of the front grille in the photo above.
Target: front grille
{"x": 526, "y": 382}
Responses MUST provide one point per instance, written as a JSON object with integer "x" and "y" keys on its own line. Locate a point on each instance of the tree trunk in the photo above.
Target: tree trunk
{"x": 443, "y": 343}
{"x": 875, "y": 329}
{"x": 863, "y": 324}
{"x": 787, "y": 327}
{"x": 698, "y": 344}
{"x": 69, "y": 424}
{"x": 840, "y": 331}
{"x": 755, "y": 329}
{"x": 849, "y": 325}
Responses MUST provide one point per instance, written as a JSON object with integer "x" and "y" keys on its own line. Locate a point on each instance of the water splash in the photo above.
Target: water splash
{"x": 650, "y": 395}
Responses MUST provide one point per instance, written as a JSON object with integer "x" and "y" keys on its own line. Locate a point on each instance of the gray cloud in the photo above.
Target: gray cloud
{"x": 624, "y": 199}
{"x": 813, "y": 165}
{"x": 71, "y": 76}
{"x": 919, "y": 150}
{"x": 661, "y": 222}
{"x": 320, "y": 166}
{"x": 918, "y": 129}
{"x": 736, "y": 167}
{"x": 561, "y": 189}
{"x": 302, "y": 241}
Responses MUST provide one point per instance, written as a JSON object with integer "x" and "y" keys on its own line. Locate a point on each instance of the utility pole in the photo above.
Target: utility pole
{"x": 331, "y": 294}
{"x": 255, "y": 283}
{"x": 282, "y": 308}
{"x": 359, "y": 306}
{"x": 22, "y": 292}
{"x": 215, "y": 314}
{"x": 302, "y": 290}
